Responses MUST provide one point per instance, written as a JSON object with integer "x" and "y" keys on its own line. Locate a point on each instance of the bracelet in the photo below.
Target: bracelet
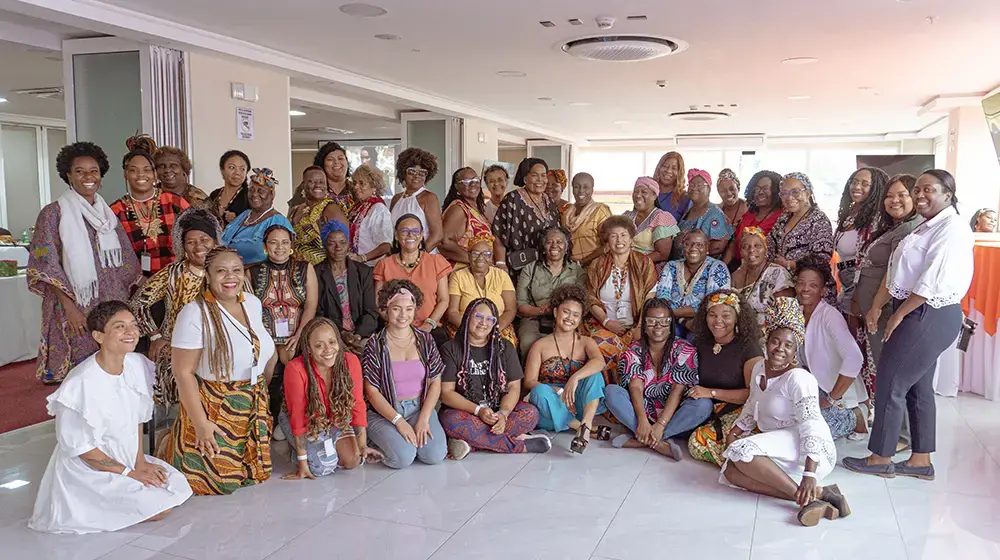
{"x": 155, "y": 337}
{"x": 431, "y": 322}
{"x": 396, "y": 419}
{"x": 126, "y": 471}
{"x": 302, "y": 457}
{"x": 478, "y": 408}
{"x": 506, "y": 413}
{"x": 807, "y": 474}
{"x": 604, "y": 323}
{"x": 500, "y": 263}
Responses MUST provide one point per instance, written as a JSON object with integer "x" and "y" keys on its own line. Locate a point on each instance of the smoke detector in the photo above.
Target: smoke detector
{"x": 623, "y": 48}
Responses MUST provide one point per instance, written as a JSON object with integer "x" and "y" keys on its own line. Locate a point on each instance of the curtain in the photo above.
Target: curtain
{"x": 169, "y": 97}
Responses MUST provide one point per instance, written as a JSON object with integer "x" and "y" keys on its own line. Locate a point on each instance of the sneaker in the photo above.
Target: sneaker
{"x": 278, "y": 434}
{"x": 458, "y": 448}
{"x": 537, "y": 443}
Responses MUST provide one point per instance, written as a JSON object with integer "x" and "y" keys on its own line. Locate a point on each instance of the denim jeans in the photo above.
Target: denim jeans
{"x": 320, "y": 463}
{"x": 398, "y": 452}
{"x": 690, "y": 414}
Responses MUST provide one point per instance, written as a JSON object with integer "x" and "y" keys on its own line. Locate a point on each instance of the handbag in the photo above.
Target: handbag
{"x": 546, "y": 323}
{"x": 520, "y": 259}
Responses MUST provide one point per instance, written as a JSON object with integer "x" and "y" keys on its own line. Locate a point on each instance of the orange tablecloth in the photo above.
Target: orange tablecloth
{"x": 984, "y": 294}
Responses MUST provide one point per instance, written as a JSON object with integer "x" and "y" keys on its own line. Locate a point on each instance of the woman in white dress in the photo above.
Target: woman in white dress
{"x": 98, "y": 478}
{"x": 784, "y": 406}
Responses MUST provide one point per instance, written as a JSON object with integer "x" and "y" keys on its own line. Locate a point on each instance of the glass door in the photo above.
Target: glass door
{"x": 438, "y": 135}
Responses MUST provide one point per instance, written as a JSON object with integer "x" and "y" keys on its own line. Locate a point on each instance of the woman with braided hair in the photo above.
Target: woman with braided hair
{"x": 325, "y": 405}
{"x": 481, "y": 390}
{"x": 857, "y": 222}
{"x": 222, "y": 361}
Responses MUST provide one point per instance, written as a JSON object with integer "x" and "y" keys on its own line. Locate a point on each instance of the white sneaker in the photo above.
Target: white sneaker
{"x": 278, "y": 434}
{"x": 458, "y": 448}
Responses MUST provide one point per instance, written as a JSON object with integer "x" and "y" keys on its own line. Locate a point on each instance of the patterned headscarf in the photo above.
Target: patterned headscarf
{"x": 754, "y": 230}
{"x": 648, "y": 183}
{"x": 730, "y": 299}
{"x": 694, "y": 172}
{"x": 560, "y": 176}
{"x": 800, "y": 177}
{"x": 264, "y": 176}
{"x": 785, "y": 313}
{"x": 332, "y": 226}
{"x": 480, "y": 237}
{"x": 728, "y": 174}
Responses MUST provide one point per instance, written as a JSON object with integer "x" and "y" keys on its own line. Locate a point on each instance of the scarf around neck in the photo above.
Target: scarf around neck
{"x": 78, "y": 251}
{"x": 575, "y": 219}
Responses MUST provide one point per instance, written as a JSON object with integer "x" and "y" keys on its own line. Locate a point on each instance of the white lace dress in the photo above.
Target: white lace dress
{"x": 792, "y": 428}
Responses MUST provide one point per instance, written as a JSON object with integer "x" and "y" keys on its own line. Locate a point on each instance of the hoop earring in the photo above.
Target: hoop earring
{"x": 795, "y": 362}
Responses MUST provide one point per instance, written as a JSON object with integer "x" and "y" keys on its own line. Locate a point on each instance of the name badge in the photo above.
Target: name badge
{"x": 328, "y": 447}
{"x": 147, "y": 262}
{"x": 281, "y": 328}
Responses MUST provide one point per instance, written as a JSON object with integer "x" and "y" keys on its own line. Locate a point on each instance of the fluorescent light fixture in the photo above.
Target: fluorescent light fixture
{"x": 14, "y": 484}
{"x": 622, "y": 122}
{"x": 511, "y": 74}
{"x": 296, "y": 113}
{"x": 580, "y": 104}
{"x": 388, "y": 37}
{"x": 3, "y": 99}
{"x": 799, "y": 97}
{"x": 800, "y": 60}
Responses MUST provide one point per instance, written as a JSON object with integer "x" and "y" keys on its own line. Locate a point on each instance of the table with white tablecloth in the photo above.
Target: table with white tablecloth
{"x": 20, "y": 320}
{"x": 16, "y": 253}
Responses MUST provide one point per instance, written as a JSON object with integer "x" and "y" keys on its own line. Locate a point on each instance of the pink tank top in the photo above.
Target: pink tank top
{"x": 409, "y": 378}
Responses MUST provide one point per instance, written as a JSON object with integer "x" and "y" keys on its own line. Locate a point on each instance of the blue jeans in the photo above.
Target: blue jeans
{"x": 398, "y": 452}
{"x": 690, "y": 414}
{"x": 552, "y": 412}
{"x": 320, "y": 463}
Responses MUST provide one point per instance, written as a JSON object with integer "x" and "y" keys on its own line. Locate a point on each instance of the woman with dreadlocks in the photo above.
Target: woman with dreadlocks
{"x": 222, "y": 361}
{"x": 481, "y": 390}
{"x": 325, "y": 405}
{"x": 858, "y": 220}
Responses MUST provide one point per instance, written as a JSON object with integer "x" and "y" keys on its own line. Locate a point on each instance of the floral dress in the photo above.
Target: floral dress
{"x": 680, "y": 367}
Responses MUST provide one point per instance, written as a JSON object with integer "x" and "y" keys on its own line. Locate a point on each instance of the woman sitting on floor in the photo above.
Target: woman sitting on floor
{"x": 784, "y": 406}
{"x": 98, "y": 478}
{"x": 481, "y": 390}
{"x": 563, "y": 373}
{"x": 324, "y": 410}
{"x": 654, "y": 373}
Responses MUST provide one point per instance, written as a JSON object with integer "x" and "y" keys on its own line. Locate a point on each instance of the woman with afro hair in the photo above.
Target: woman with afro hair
{"x": 415, "y": 168}
{"x": 80, "y": 256}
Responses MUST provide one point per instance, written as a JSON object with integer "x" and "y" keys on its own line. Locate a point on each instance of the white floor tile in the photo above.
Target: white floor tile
{"x": 129, "y": 552}
{"x": 28, "y": 544}
{"x": 773, "y": 540}
{"x": 348, "y": 537}
{"x": 932, "y": 521}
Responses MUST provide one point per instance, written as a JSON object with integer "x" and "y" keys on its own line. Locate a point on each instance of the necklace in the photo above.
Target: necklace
{"x": 481, "y": 290}
{"x": 149, "y": 221}
{"x": 539, "y": 207}
{"x": 408, "y": 266}
{"x": 563, "y": 361}
{"x": 248, "y": 222}
{"x": 732, "y": 221}
{"x": 716, "y": 348}
{"x": 406, "y": 339}
{"x": 147, "y": 199}
{"x": 619, "y": 278}
{"x": 687, "y": 285}
{"x": 225, "y": 207}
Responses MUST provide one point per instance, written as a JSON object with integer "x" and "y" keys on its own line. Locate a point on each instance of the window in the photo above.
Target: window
{"x": 27, "y": 158}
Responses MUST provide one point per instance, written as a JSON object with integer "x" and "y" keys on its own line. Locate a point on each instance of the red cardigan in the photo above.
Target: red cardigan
{"x": 297, "y": 393}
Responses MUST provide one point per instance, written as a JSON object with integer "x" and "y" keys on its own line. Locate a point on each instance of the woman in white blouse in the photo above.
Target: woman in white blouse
{"x": 220, "y": 349}
{"x": 370, "y": 222}
{"x": 929, "y": 273}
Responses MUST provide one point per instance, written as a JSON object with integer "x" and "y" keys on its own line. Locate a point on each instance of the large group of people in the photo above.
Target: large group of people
{"x": 363, "y": 332}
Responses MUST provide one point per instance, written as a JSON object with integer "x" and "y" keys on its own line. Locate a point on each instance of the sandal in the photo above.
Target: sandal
{"x": 580, "y": 442}
{"x": 601, "y": 433}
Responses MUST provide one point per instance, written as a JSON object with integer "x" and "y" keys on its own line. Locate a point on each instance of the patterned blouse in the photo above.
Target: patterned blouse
{"x": 308, "y": 242}
{"x": 760, "y": 294}
{"x": 681, "y": 292}
{"x": 813, "y": 235}
{"x": 557, "y": 370}
{"x": 713, "y": 222}
{"x": 377, "y": 365}
{"x": 475, "y": 223}
{"x": 281, "y": 289}
{"x": 519, "y": 225}
{"x": 151, "y": 234}
{"x": 681, "y": 366}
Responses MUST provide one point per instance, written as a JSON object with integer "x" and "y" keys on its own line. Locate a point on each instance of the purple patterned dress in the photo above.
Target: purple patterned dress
{"x": 61, "y": 350}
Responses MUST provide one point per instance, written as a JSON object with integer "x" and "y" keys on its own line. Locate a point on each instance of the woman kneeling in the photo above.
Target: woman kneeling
{"x": 482, "y": 390}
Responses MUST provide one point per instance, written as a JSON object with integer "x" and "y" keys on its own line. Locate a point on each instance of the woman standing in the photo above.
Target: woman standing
{"x": 655, "y": 229}
{"x": 653, "y": 372}
{"x": 173, "y": 167}
{"x": 704, "y": 215}
{"x": 481, "y": 390}
{"x": 346, "y": 290}
{"x": 563, "y": 374}
{"x": 669, "y": 175}
{"x": 371, "y": 224}
{"x": 80, "y": 256}
{"x": 759, "y": 281}
{"x": 984, "y": 221}
{"x": 415, "y": 167}
{"x": 332, "y": 159}
{"x": 617, "y": 284}
{"x": 246, "y": 232}
{"x": 288, "y": 291}
{"x": 402, "y": 372}
{"x": 324, "y": 402}
{"x": 929, "y": 273}
{"x": 146, "y": 212}
{"x": 685, "y": 283}
{"x": 583, "y": 220}
{"x": 763, "y": 197}
{"x": 802, "y": 230}
{"x": 856, "y": 223}
{"x": 537, "y": 283}
{"x": 733, "y": 207}
{"x": 428, "y": 271}
{"x": 310, "y": 216}
{"x": 482, "y": 280}
{"x": 195, "y": 234}
{"x": 464, "y": 217}
{"x": 522, "y": 217}
{"x": 222, "y": 360}
{"x": 232, "y": 199}
{"x": 555, "y": 184}
{"x": 793, "y": 439}
{"x": 496, "y": 178}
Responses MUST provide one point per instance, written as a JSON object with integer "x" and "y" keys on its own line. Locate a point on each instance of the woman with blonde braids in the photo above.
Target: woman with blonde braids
{"x": 325, "y": 406}
{"x": 222, "y": 361}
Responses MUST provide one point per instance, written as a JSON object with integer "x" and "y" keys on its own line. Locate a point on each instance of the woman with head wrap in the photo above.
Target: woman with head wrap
{"x": 655, "y": 229}
{"x": 482, "y": 280}
{"x": 146, "y": 211}
{"x": 704, "y": 215}
{"x": 758, "y": 280}
{"x": 802, "y": 230}
{"x": 195, "y": 233}
{"x": 555, "y": 185}
{"x": 669, "y": 176}
{"x": 764, "y": 209}
{"x": 728, "y": 187}
{"x": 984, "y": 221}
{"x": 246, "y": 232}
{"x": 794, "y": 441}
{"x": 583, "y": 220}
{"x": 346, "y": 289}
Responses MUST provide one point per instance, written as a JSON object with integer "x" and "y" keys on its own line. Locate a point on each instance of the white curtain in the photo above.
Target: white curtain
{"x": 169, "y": 97}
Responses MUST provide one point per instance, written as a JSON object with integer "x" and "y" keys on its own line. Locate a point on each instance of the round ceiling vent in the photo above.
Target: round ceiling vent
{"x": 623, "y": 48}
{"x": 699, "y": 116}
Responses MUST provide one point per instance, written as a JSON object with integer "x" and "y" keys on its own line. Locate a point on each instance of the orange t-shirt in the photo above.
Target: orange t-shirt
{"x": 426, "y": 275}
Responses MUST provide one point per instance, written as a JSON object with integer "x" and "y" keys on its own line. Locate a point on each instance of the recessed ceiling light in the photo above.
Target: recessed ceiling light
{"x": 800, "y": 118}
{"x": 363, "y": 10}
{"x": 3, "y": 99}
{"x": 511, "y": 74}
{"x": 622, "y": 122}
{"x": 388, "y": 37}
{"x": 14, "y": 484}
{"x": 800, "y": 60}
{"x": 580, "y": 104}
{"x": 545, "y": 99}
{"x": 799, "y": 97}
{"x": 865, "y": 88}
{"x": 296, "y": 113}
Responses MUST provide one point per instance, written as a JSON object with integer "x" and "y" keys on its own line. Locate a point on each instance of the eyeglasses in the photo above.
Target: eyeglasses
{"x": 484, "y": 318}
{"x": 412, "y": 232}
{"x": 796, "y": 192}
{"x": 474, "y": 181}
{"x": 657, "y": 321}
{"x": 417, "y": 172}
{"x": 859, "y": 183}
{"x": 481, "y": 255}
{"x": 282, "y": 243}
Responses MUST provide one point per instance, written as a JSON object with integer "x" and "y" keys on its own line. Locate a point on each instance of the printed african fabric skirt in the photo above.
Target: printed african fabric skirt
{"x": 703, "y": 443}
{"x": 610, "y": 344}
{"x": 240, "y": 410}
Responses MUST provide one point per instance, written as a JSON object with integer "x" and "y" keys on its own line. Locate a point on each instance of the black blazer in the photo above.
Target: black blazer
{"x": 360, "y": 291}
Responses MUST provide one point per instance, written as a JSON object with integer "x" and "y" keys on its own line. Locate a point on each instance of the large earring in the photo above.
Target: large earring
{"x": 795, "y": 362}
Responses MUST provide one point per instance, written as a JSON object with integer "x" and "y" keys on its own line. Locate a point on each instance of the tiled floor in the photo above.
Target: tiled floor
{"x": 606, "y": 504}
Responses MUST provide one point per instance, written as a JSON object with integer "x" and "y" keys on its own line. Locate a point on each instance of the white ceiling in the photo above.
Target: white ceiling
{"x": 363, "y": 128}
{"x": 24, "y": 67}
{"x": 454, "y": 49}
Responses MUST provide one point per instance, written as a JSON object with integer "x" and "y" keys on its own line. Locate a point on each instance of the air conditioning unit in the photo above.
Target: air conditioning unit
{"x": 55, "y": 92}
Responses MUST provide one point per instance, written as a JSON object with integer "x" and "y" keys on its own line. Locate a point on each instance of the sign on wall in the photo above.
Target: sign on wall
{"x": 244, "y": 123}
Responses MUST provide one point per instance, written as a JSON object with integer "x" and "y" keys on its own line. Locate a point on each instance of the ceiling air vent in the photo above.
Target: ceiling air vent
{"x": 699, "y": 116}
{"x": 623, "y": 48}
{"x": 55, "y": 92}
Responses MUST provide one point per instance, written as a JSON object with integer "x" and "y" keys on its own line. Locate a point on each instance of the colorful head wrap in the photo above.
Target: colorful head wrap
{"x": 264, "y": 176}
{"x": 729, "y": 174}
{"x": 723, "y": 298}
{"x": 332, "y": 226}
{"x": 648, "y": 183}
{"x": 480, "y": 237}
{"x": 785, "y": 313}
{"x": 754, "y": 230}
{"x": 559, "y": 175}
{"x": 195, "y": 218}
{"x": 694, "y": 172}
{"x": 800, "y": 177}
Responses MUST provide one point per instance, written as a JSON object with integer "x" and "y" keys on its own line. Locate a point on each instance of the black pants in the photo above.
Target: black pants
{"x": 276, "y": 391}
{"x": 905, "y": 379}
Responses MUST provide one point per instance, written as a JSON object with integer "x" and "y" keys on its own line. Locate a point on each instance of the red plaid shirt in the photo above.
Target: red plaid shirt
{"x": 159, "y": 247}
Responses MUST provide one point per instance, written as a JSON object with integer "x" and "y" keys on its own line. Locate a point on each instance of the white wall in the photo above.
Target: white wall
{"x": 972, "y": 159}
{"x": 474, "y": 152}
{"x": 213, "y": 122}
